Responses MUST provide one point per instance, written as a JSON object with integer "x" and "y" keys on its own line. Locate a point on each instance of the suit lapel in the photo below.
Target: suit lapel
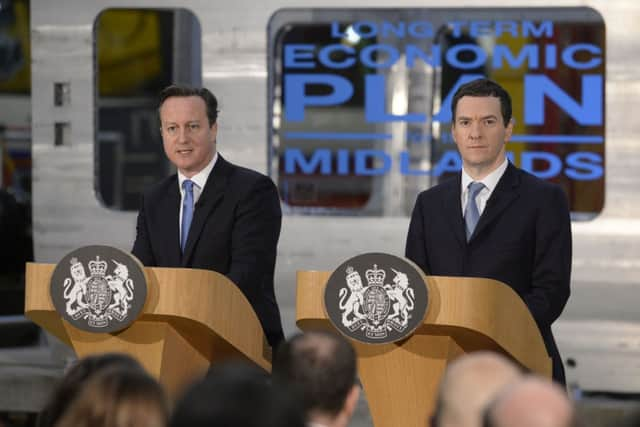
{"x": 503, "y": 195}
{"x": 452, "y": 208}
{"x": 169, "y": 220}
{"x": 211, "y": 195}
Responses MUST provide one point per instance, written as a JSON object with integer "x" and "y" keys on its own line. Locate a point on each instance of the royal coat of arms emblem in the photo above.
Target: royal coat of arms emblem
{"x": 385, "y": 308}
{"x": 98, "y": 294}
{"x": 98, "y": 297}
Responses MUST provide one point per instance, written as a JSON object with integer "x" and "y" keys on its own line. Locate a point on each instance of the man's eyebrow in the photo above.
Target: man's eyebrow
{"x": 490, "y": 116}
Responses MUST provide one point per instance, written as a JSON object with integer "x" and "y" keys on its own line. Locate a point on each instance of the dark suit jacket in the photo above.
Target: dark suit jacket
{"x": 235, "y": 230}
{"x": 523, "y": 238}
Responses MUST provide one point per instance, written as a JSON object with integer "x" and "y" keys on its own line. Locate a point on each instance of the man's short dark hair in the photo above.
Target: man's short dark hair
{"x": 484, "y": 87}
{"x": 240, "y": 395}
{"x": 320, "y": 366}
{"x": 183, "y": 91}
{"x": 631, "y": 419}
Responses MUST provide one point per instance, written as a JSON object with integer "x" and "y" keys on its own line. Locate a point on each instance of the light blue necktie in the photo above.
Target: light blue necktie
{"x": 187, "y": 212}
{"x": 471, "y": 213}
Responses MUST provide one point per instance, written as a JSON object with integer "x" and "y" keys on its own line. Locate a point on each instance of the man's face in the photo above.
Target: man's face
{"x": 480, "y": 133}
{"x": 189, "y": 141}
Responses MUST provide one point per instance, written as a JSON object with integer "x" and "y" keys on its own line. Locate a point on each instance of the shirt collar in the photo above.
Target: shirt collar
{"x": 490, "y": 181}
{"x": 199, "y": 179}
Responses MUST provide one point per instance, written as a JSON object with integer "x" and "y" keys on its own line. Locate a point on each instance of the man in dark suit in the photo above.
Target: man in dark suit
{"x": 212, "y": 214}
{"x": 494, "y": 220}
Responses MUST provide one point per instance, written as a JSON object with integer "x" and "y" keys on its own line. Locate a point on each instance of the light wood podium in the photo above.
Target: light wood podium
{"x": 400, "y": 380}
{"x": 191, "y": 319}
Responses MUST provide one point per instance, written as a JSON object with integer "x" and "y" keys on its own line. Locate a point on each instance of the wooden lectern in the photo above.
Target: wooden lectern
{"x": 191, "y": 319}
{"x": 465, "y": 314}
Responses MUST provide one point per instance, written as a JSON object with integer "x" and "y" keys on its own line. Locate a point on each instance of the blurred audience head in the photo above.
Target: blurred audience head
{"x": 118, "y": 396}
{"x": 631, "y": 419}
{"x": 320, "y": 367}
{"x": 531, "y": 402}
{"x": 468, "y": 385}
{"x": 237, "y": 395}
{"x": 75, "y": 378}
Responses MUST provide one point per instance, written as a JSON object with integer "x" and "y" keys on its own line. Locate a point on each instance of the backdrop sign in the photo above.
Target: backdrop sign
{"x": 366, "y": 94}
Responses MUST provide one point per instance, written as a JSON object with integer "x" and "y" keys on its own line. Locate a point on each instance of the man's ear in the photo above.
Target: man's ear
{"x": 509, "y": 130}
{"x": 351, "y": 400}
{"x": 214, "y": 130}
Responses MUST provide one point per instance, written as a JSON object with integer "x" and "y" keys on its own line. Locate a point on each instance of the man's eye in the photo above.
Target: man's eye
{"x": 171, "y": 129}
{"x": 490, "y": 122}
{"x": 463, "y": 122}
{"x": 194, "y": 126}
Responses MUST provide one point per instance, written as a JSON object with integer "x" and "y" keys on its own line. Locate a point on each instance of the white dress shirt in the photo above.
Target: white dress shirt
{"x": 199, "y": 181}
{"x": 490, "y": 181}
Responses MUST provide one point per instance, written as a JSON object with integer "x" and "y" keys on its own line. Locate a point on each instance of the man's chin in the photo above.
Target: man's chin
{"x": 474, "y": 163}
{"x": 186, "y": 170}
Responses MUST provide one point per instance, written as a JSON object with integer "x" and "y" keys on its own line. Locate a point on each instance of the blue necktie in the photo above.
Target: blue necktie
{"x": 471, "y": 213}
{"x": 187, "y": 212}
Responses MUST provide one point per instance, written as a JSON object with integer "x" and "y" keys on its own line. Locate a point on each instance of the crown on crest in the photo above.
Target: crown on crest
{"x": 375, "y": 276}
{"x": 97, "y": 267}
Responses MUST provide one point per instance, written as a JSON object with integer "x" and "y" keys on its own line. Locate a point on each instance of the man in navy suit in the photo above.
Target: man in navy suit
{"x": 494, "y": 220}
{"x": 212, "y": 214}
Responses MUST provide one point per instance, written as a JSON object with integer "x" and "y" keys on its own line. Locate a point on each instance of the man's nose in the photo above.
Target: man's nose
{"x": 183, "y": 134}
{"x": 474, "y": 130}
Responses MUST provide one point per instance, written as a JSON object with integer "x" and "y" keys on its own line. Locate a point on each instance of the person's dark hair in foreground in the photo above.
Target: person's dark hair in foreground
{"x": 75, "y": 378}
{"x": 321, "y": 367}
{"x": 631, "y": 419}
{"x": 237, "y": 395}
{"x": 118, "y": 397}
